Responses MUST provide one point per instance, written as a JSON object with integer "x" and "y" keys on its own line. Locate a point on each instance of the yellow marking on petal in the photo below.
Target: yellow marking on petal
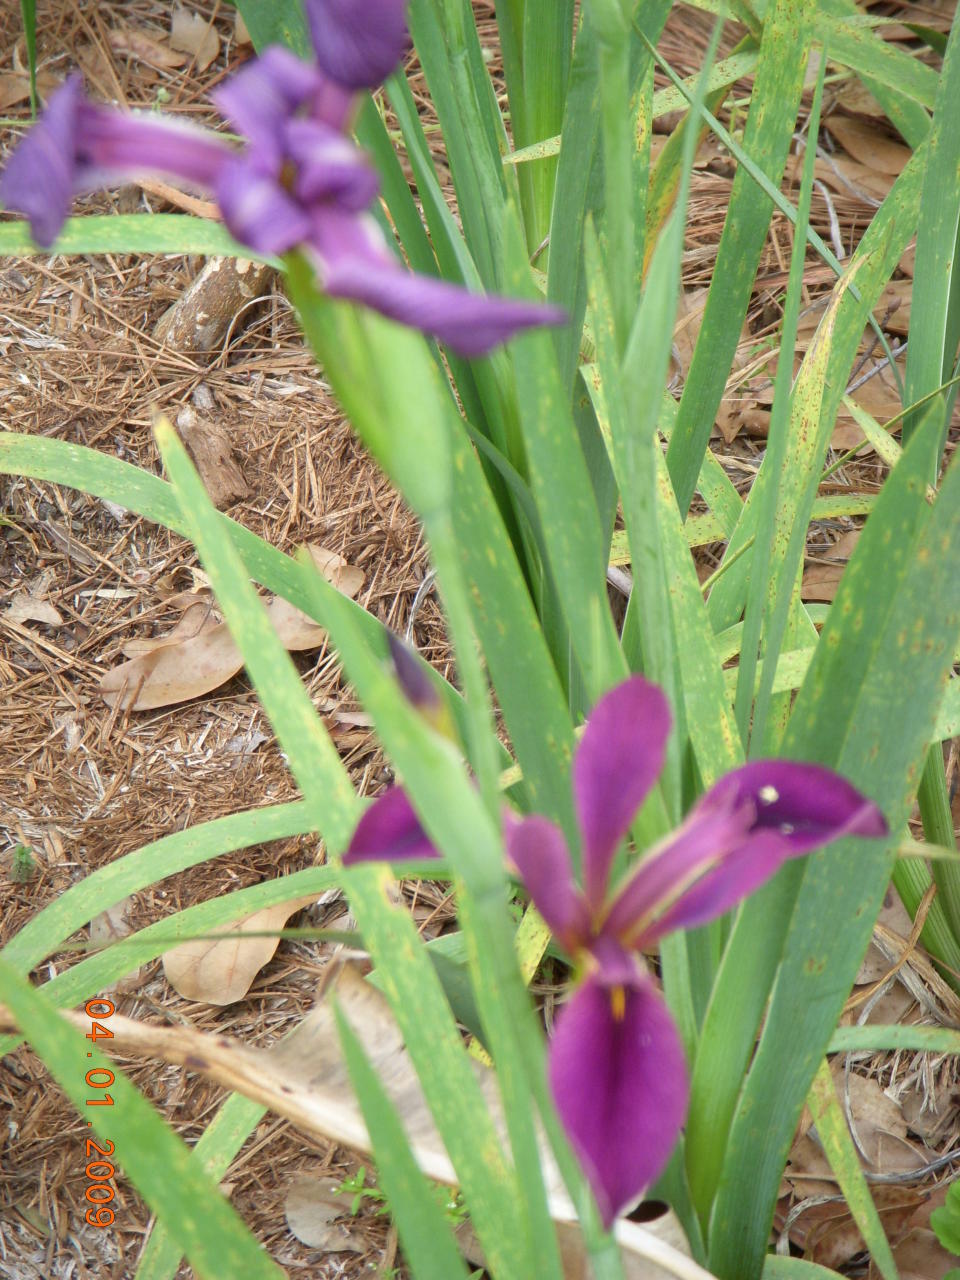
{"x": 618, "y": 1003}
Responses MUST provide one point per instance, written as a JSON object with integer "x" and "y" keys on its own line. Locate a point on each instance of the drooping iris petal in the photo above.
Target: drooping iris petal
{"x": 736, "y": 837}
{"x": 39, "y": 178}
{"x": 115, "y": 144}
{"x": 263, "y": 95}
{"x": 619, "y": 1080}
{"x": 358, "y": 44}
{"x": 77, "y": 146}
{"x": 538, "y": 850}
{"x": 616, "y": 763}
{"x": 357, "y": 266}
{"x": 806, "y": 803}
{"x": 258, "y": 211}
{"x": 388, "y": 832}
{"x": 328, "y": 166}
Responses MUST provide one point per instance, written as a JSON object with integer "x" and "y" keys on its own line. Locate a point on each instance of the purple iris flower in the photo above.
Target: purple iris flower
{"x": 617, "y": 1067}
{"x": 300, "y": 182}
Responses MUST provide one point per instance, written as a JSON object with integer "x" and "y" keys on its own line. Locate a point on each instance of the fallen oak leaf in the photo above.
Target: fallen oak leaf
{"x": 315, "y": 1213}
{"x": 137, "y": 44}
{"x": 190, "y": 33}
{"x": 869, "y": 144}
{"x": 191, "y": 667}
{"x": 15, "y": 87}
{"x": 173, "y": 673}
{"x": 26, "y": 607}
{"x": 222, "y": 971}
{"x": 196, "y": 618}
{"x": 345, "y": 577}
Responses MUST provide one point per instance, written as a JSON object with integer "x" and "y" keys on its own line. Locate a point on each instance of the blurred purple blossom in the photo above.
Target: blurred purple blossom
{"x": 358, "y": 42}
{"x": 299, "y": 182}
{"x": 617, "y": 1066}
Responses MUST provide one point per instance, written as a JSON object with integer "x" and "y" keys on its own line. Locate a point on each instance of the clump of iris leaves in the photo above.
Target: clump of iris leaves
{"x": 508, "y": 369}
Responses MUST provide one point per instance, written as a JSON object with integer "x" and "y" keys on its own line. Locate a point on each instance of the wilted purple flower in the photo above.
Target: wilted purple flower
{"x": 617, "y": 1067}
{"x": 299, "y": 182}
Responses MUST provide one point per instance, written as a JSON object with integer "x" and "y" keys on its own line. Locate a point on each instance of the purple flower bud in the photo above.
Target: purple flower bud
{"x": 358, "y": 44}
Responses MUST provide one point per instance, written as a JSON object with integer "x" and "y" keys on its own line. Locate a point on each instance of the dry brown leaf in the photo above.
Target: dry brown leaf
{"x": 846, "y": 435}
{"x": 848, "y": 177}
{"x": 212, "y": 451}
{"x": 820, "y": 581}
{"x": 853, "y": 96}
{"x": 345, "y": 577}
{"x": 321, "y": 1218}
{"x": 16, "y": 87}
{"x": 808, "y": 1171}
{"x": 869, "y": 145}
{"x": 25, "y": 607}
{"x": 196, "y": 618}
{"x": 734, "y": 405}
{"x": 879, "y": 1124}
{"x": 921, "y": 1256}
{"x": 188, "y": 668}
{"x": 879, "y": 397}
{"x": 175, "y": 672}
{"x": 305, "y": 1080}
{"x": 837, "y": 1239}
{"x": 240, "y": 33}
{"x": 191, "y": 34}
{"x": 223, "y": 972}
{"x": 137, "y": 44}
{"x": 109, "y": 927}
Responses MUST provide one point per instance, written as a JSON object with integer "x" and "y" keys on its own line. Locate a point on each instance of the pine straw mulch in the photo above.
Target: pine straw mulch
{"x": 82, "y": 785}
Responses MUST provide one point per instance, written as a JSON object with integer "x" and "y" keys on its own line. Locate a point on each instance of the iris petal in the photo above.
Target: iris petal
{"x": 77, "y": 146}
{"x": 619, "y": 1079}
{"x": 538, "y": 850}
{"x": 806, "y": 804}
{"x": 357, "y": 266}
{"x": 263, "y": 95}
{"x": 389, "y": 831}
{"x": 617, "y": 761}
{"x": 258, "y": 211}
{"x": 39, "y": 178}
{"x": 329, "y": 166}
{"x": 736, "y": 837}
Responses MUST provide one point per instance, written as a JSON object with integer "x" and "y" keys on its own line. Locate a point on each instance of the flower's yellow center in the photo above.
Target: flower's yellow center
{"x": 618, "y": 1003}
